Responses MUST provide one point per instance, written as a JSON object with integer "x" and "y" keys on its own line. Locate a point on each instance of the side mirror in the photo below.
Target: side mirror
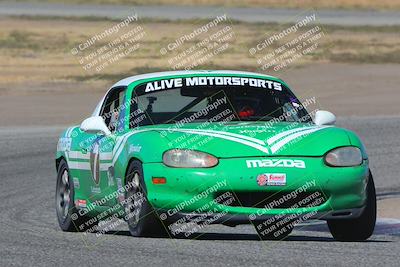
{"x": 95, "y": 125}
{"x": 323, "y": 117}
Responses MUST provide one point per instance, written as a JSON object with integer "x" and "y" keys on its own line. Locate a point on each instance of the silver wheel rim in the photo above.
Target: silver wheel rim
{"x": 64, "y": 195}
{"x": 134, "y": 200}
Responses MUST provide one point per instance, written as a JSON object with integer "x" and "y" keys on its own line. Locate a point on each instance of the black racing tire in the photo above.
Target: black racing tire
{"x": 361, "y": 228}
{"x": 265, "y": 232}
{"x": 68, "y": 216}
{"x": 142, "y": 219}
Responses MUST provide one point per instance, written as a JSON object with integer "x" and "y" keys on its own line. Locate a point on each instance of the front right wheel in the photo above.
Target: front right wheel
{"x": 361, "y": 228}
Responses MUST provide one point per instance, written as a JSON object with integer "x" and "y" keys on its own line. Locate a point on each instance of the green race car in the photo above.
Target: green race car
{"x": 173, "y": 152}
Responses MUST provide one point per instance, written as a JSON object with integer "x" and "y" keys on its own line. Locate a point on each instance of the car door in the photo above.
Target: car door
{"x": 100, "y": 178}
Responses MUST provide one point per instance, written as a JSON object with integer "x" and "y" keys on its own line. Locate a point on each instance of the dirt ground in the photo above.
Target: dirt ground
{"x": 342, "y": 4}
{"x": 38, "y": 50}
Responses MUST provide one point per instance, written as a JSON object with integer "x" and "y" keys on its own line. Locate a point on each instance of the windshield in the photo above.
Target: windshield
{"x": 214, "y": 99}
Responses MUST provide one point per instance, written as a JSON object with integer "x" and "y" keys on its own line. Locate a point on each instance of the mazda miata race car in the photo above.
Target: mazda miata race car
{"x": 173, "y": 152}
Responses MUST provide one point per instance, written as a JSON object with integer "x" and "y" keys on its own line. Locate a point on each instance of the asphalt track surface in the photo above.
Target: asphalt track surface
{"x": 259, "y": 14}
{"x": 30, "y": 236}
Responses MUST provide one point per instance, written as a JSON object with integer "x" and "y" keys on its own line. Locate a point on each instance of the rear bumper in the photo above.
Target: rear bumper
{"x": 341, "y": 192}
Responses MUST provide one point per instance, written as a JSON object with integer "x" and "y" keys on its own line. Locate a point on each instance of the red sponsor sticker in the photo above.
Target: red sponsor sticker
{"x": 271, "y": 179}
{"x": 80, "y": 203}
{"x": 262, "y": 179}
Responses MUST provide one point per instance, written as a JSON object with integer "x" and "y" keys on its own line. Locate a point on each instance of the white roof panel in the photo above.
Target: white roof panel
{"x": 129, "y": 80}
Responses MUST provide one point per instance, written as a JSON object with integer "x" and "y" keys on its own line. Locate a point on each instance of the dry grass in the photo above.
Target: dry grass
{"x": 38, "y": 50}
{"x": 337, "y": 4}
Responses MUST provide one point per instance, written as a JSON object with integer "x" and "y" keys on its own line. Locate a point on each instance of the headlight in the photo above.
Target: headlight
{"x": 344, "y": 157}
{"x": 180, "y": 158}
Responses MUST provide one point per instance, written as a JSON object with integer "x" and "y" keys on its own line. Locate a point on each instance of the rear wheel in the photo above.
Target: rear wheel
{"x": 361, "y": 228}
{"x": 141, "y": 217}
{"x": 67, "y": 214}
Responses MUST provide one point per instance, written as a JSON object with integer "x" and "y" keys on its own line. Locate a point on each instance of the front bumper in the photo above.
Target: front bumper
{"x": 339, "y": 192}
{"x": 236, "y": 219}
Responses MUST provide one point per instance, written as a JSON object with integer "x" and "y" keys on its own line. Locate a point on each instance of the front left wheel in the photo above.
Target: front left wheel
{"x": 361, "y": 228}
{"x": 143, "y": 220}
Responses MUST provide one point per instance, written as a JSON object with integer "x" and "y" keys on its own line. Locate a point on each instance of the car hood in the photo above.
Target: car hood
{"x": 248, "y": 139}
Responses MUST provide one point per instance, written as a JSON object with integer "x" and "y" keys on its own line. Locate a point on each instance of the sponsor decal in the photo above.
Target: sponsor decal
{"x": 119, "y": 183}
{"x": 163, "y": 84}
{"x": 271, "y": 179}
{"x": 75, "y": 180}
{"x": 110, "y": 175}
{"x": 207, "y": 81}
{"x": 270, "y": 163}
{"x": 262, "y": 179}
{"x": 64, "y": 144}
{"x": 95, "y": 163}
{"x": 81, "y": 203}
{"x": 134, "y": 148}
{"x": 121, "y": 196}
{"x": 95, "y": 189}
